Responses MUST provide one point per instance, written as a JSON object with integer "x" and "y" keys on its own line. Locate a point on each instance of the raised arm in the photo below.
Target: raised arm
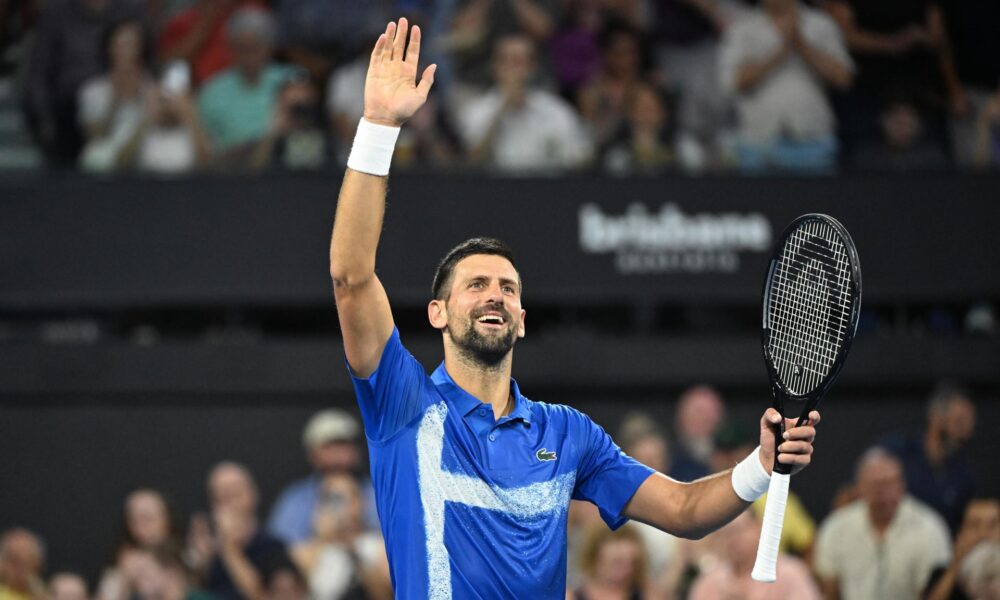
{"x": 392, "y": 95}
{"x": 692, "y": 510}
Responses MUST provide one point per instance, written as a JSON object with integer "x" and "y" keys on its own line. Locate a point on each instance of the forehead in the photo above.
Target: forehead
{"x": 489, "y": 265}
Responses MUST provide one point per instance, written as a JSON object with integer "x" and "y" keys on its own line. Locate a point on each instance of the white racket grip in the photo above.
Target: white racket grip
{"x": 766, "y": 566}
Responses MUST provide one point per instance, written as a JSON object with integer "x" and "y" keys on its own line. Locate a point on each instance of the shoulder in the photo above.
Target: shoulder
{"x": 551, "y": 104}
{"x": 219, "y": 83}
{"x": 918, "y": 514}
{"x": 845, "y": 517}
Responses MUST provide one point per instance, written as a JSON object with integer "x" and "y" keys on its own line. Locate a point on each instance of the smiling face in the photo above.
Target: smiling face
{"x": 481, "y": 313}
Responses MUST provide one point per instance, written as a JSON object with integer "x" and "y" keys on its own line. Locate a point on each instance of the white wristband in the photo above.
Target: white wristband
{"x": 372, "y": 149}
{"x": 750, "y": 478}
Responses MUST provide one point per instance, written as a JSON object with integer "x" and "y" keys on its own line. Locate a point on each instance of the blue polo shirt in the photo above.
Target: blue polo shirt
{"x": 473, "y": 507}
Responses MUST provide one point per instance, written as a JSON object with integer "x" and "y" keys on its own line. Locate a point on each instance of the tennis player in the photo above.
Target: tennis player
{"x": 472, "y": 479}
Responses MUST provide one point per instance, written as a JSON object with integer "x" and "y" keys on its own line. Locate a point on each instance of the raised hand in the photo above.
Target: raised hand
{"x": 392, "y": 93}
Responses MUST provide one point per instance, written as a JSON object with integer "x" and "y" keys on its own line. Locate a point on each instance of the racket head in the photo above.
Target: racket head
{"x": 811, "y": 303}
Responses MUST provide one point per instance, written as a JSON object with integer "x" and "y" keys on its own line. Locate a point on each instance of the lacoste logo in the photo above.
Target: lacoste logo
{"x": 543, "y": 455}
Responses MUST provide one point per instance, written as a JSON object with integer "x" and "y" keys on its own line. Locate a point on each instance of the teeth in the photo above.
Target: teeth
{"x": 490, "y": 319}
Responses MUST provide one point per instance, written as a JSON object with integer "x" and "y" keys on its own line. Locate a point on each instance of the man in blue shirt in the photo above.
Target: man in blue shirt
{"x": 472, "y": 479}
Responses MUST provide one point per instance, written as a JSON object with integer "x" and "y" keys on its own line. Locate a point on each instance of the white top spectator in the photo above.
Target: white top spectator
{"x": 542, "y": 134}
{"x": 790, "y": 100}
{"x": 895, "y": 565}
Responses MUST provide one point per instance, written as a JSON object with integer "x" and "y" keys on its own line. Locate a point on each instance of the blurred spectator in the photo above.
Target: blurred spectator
{"x": 905, "y": 143}
{"x": 342, "y": 559}
{"x": 67, "y": 50}
{"x": 613, "y": 564}
{"x": 345, "y": 102}
{"x": 330, "y": 439}
{"x": 604, "y": 100}
{"x": 980, "y": 573}
{"x": 428, "y": 140}
{"x": 686, "y": 36}
{"x": 981, "y": 524}
{"x": 517, "y": 127}
{"x": 67, "y": 586}
{"x": 652, "y": 449}
{"x": 160, "y": 574}
{"x": 197, "y": 35}
{"x": 574, "y": 49}
{"x": 170, "y": 138}
{"x": 22, "y": 557}
{"x": 235, "y": 554}
{"x": 111, "y": 105}
{"x": 297, "y": 138}
{"x": 146, "y": 524}
{"x": 733, "y": 442}
{"x": 901, "y": 48}
{"x": 236, "y": 105}
{"x": 988, "y": 133}
{"x": 936, "y": 469}
{"x": 478, "y": 26}
{"x": 972, "y": 28}
{"x": 318, "y": 34}
{"x": 644, "y": 144}
{"x": 777, "y": 62}
{"x": 730, "y": 577}
{"x": 580, "y": 517}
{"x": 884, "y": 545}
{"x": 699, "y": 412}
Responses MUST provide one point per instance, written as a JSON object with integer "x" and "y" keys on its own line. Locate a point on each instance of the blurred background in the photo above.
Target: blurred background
{"x": 176, "y": 420}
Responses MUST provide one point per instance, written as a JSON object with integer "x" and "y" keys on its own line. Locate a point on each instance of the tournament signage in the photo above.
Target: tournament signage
{"x": 668, "y": 240}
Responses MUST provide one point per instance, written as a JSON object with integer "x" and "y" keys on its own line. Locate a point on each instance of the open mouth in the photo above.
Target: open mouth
{"x": 492, "y": 320}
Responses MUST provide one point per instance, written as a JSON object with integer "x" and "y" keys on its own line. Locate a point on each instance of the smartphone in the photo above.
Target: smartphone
{"x": 176, "y": 79}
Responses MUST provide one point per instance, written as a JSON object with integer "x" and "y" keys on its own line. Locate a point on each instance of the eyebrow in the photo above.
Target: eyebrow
{"x": 502, "y": 280}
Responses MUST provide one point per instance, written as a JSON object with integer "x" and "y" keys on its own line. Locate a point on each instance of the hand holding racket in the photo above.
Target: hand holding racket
{"x": 812, "y": 298}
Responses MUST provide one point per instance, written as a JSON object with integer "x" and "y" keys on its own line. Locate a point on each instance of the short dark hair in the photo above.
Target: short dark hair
{"x": 476, "y": 245}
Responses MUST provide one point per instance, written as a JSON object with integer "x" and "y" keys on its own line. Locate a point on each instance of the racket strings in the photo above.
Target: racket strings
{"x": 810, "y": 306}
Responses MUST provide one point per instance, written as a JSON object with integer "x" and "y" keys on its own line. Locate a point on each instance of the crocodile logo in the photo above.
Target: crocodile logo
{"x": 544, "y": 455}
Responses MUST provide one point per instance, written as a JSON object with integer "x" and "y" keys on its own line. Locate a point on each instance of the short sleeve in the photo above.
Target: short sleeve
{"x": 937, "y": 549}
{"x": 390, "y": 398}
{"x": 606, "y": 476}
{"x": 826, "y": 35}
{"x": 731, "y": 56}
{"x": 94, "y": 101}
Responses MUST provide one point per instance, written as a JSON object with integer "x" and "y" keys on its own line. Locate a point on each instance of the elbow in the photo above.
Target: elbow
{"x": 842, "y": 81}
{"x": 346, "y": 278}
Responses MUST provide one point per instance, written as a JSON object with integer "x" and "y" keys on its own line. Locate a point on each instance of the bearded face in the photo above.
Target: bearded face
{"x": 482, "y": 314}
{"x": 486, "y": 335}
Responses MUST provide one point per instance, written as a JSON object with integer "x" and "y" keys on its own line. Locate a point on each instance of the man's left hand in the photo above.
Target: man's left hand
{"x": 797, "y": 446}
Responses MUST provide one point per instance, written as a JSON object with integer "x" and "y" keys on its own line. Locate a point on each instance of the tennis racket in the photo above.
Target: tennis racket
{"x": 812, "y": 297}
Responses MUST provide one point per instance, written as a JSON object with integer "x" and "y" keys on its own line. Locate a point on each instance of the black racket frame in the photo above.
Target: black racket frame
{"x": 781, "y": 396}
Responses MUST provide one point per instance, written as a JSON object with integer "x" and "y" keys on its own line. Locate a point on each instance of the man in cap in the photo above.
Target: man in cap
{"x": 330, "y": 439}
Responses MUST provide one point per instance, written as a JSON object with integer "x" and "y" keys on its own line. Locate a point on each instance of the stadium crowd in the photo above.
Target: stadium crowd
{"x": 909, "y": 526}
{"x": 523, "y": 86}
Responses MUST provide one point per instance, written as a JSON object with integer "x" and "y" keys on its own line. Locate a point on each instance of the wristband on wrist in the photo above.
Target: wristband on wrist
{"x": 750, "y": 478}
{"x": 372, "y": 149}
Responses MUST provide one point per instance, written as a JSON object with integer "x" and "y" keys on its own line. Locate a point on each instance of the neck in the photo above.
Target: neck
{"x": 880, "y": 523}
{"x": 933, "y": 447}
{"x": 489, "y": 383}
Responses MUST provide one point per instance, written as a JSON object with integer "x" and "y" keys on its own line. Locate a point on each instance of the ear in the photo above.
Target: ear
{"x": 437, "y": 314}
{"x": 520, "y": 326}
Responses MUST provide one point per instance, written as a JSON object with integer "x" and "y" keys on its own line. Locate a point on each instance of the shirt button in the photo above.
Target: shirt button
{"x": 493, "y": 437}
{"x": 482, "y": 412}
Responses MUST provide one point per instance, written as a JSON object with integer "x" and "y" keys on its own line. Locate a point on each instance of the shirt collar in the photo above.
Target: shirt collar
{"x": 466, "y": 402}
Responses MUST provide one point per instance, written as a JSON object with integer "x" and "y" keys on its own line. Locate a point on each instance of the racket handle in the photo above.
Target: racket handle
{"x": 766, "y": 566}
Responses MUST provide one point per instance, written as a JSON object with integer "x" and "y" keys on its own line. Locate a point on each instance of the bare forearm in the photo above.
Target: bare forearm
{"x": 944, "y": 586}
{"x": 356, "y": 228}
{"x": 688, "y": 510}
{"x": 834, "y": 72}
{"x": 244, "y": 575}
{"x": 750, "y": 74}
{"x": 533, "y": 19}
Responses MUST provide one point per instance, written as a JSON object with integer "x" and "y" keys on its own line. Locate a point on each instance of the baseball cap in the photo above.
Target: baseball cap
{"x": 331, "y": 425}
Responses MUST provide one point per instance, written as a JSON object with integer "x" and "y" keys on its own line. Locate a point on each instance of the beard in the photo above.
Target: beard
{"x": 485, "y": 350}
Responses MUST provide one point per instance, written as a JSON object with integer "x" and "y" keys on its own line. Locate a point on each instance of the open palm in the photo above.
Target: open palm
{"x": 392, "y": 93}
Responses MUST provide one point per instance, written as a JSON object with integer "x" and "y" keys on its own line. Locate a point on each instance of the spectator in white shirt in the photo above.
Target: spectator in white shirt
{"x": 515, "y": 127}
{"x": 778, "y": 62}
{"x": 884, "y": 545}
